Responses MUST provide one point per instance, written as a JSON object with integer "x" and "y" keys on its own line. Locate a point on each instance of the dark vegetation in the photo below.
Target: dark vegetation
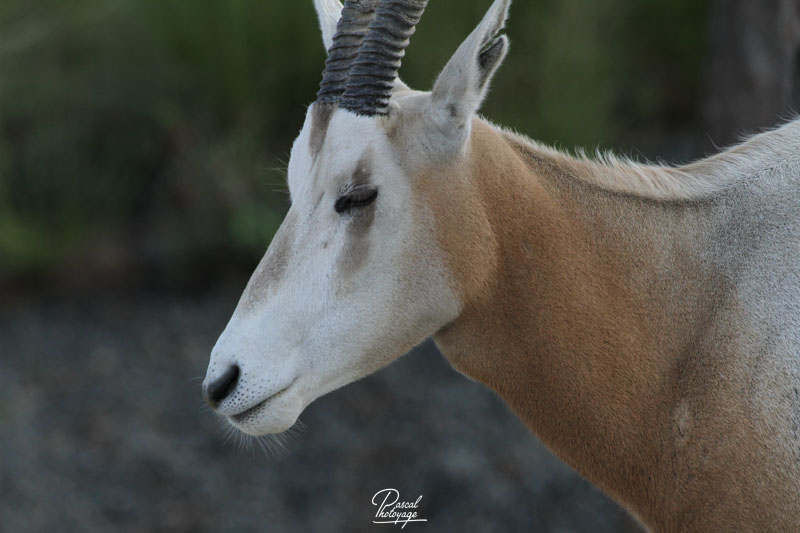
{"x": 147, "y": 139}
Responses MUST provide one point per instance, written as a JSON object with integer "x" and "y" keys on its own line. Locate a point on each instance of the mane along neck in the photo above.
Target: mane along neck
{"x": 696, "y": 181}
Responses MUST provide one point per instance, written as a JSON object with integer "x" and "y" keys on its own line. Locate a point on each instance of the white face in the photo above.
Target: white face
{"x": 339, "y": 293}
{"x": 354, "y": 277}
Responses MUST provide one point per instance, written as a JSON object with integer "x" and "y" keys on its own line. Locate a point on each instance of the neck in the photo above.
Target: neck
{"x": 569, "y": 312}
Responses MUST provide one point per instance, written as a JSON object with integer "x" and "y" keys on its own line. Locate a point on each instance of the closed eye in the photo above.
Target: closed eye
{"x": 355, "y": 199}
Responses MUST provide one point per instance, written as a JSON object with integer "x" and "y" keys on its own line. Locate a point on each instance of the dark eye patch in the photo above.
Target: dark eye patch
{"x": 357, "y": 198}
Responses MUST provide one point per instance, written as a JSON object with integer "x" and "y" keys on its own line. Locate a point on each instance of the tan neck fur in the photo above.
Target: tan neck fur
{"x": 581, "y": 308}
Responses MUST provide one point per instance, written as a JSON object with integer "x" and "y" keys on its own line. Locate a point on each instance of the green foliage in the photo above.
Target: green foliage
{"x": 151, "y": 127}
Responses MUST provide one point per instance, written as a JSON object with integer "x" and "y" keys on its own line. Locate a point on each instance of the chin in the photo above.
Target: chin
{"x": 267, "y": 426}
{"x": 266, "y": 418}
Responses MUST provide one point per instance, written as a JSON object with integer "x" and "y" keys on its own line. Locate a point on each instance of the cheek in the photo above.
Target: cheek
{"x": 322, "y": 254}
{"x": 354, "y": 254}
{"x": 271, "y": 272}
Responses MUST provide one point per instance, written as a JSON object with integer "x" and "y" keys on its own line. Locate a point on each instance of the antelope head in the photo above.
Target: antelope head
{"x": 355, "y": 277}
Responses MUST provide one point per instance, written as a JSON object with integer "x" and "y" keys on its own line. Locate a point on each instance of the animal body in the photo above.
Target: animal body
{"x": 643, "y": 321}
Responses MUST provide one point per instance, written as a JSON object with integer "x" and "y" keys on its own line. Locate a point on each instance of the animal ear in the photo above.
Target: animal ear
{"x": 328, "y": 12}
{"x": 464, "y": 82}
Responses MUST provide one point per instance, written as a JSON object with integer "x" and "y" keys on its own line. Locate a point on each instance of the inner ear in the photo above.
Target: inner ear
{"x": 490, "y": 59}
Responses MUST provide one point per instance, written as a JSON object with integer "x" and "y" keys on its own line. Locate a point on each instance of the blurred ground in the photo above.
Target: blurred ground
{"x": 102, "y": 428}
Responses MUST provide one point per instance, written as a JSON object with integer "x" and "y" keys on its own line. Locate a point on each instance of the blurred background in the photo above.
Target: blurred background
{"x": 143, "y": 146}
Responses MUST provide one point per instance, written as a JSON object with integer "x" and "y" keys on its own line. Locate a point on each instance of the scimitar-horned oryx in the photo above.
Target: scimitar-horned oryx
{"x": 644, "y": 321}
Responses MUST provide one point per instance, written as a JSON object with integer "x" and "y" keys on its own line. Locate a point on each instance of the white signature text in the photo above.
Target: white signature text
{"x": 392, "y": 510}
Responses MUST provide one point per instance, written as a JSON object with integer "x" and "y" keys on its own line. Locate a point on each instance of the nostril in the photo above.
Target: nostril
{"x": 222, "y": 387}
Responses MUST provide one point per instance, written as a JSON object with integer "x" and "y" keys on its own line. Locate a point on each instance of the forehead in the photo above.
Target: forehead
{"x": 332, "y": 144}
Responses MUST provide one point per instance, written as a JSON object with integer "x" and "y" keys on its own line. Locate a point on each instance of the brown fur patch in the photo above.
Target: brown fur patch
{"x": 593, "y": 314}
{"x": 320, "y": 119}
{"x": 272, "y": 267}
{"x": 356, "y": 249}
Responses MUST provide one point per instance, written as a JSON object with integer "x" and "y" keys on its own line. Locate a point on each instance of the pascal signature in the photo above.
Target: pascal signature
{"x": 393, "y": 510}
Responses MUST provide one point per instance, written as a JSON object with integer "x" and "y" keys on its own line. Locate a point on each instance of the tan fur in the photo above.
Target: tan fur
{"x": 594, "y": 315}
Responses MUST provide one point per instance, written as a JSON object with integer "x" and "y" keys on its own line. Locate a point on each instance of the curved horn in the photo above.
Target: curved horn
{"x": 351, "y": 29}
{"x": 372, "y": 78}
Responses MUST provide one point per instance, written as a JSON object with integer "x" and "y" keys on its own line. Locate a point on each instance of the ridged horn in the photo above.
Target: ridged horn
{"x": 351, "y": 30}
{"x": 374, "y": 72}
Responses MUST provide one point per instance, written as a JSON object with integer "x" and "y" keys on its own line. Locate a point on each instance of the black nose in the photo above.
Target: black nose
{"x": 222, "y": 387}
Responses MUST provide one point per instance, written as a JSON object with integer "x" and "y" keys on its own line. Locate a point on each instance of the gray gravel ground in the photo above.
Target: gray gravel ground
{"x": 102, "y": 428}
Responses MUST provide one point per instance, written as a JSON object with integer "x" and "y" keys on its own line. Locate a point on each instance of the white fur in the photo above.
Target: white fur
{"x": 312, "y": 329}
